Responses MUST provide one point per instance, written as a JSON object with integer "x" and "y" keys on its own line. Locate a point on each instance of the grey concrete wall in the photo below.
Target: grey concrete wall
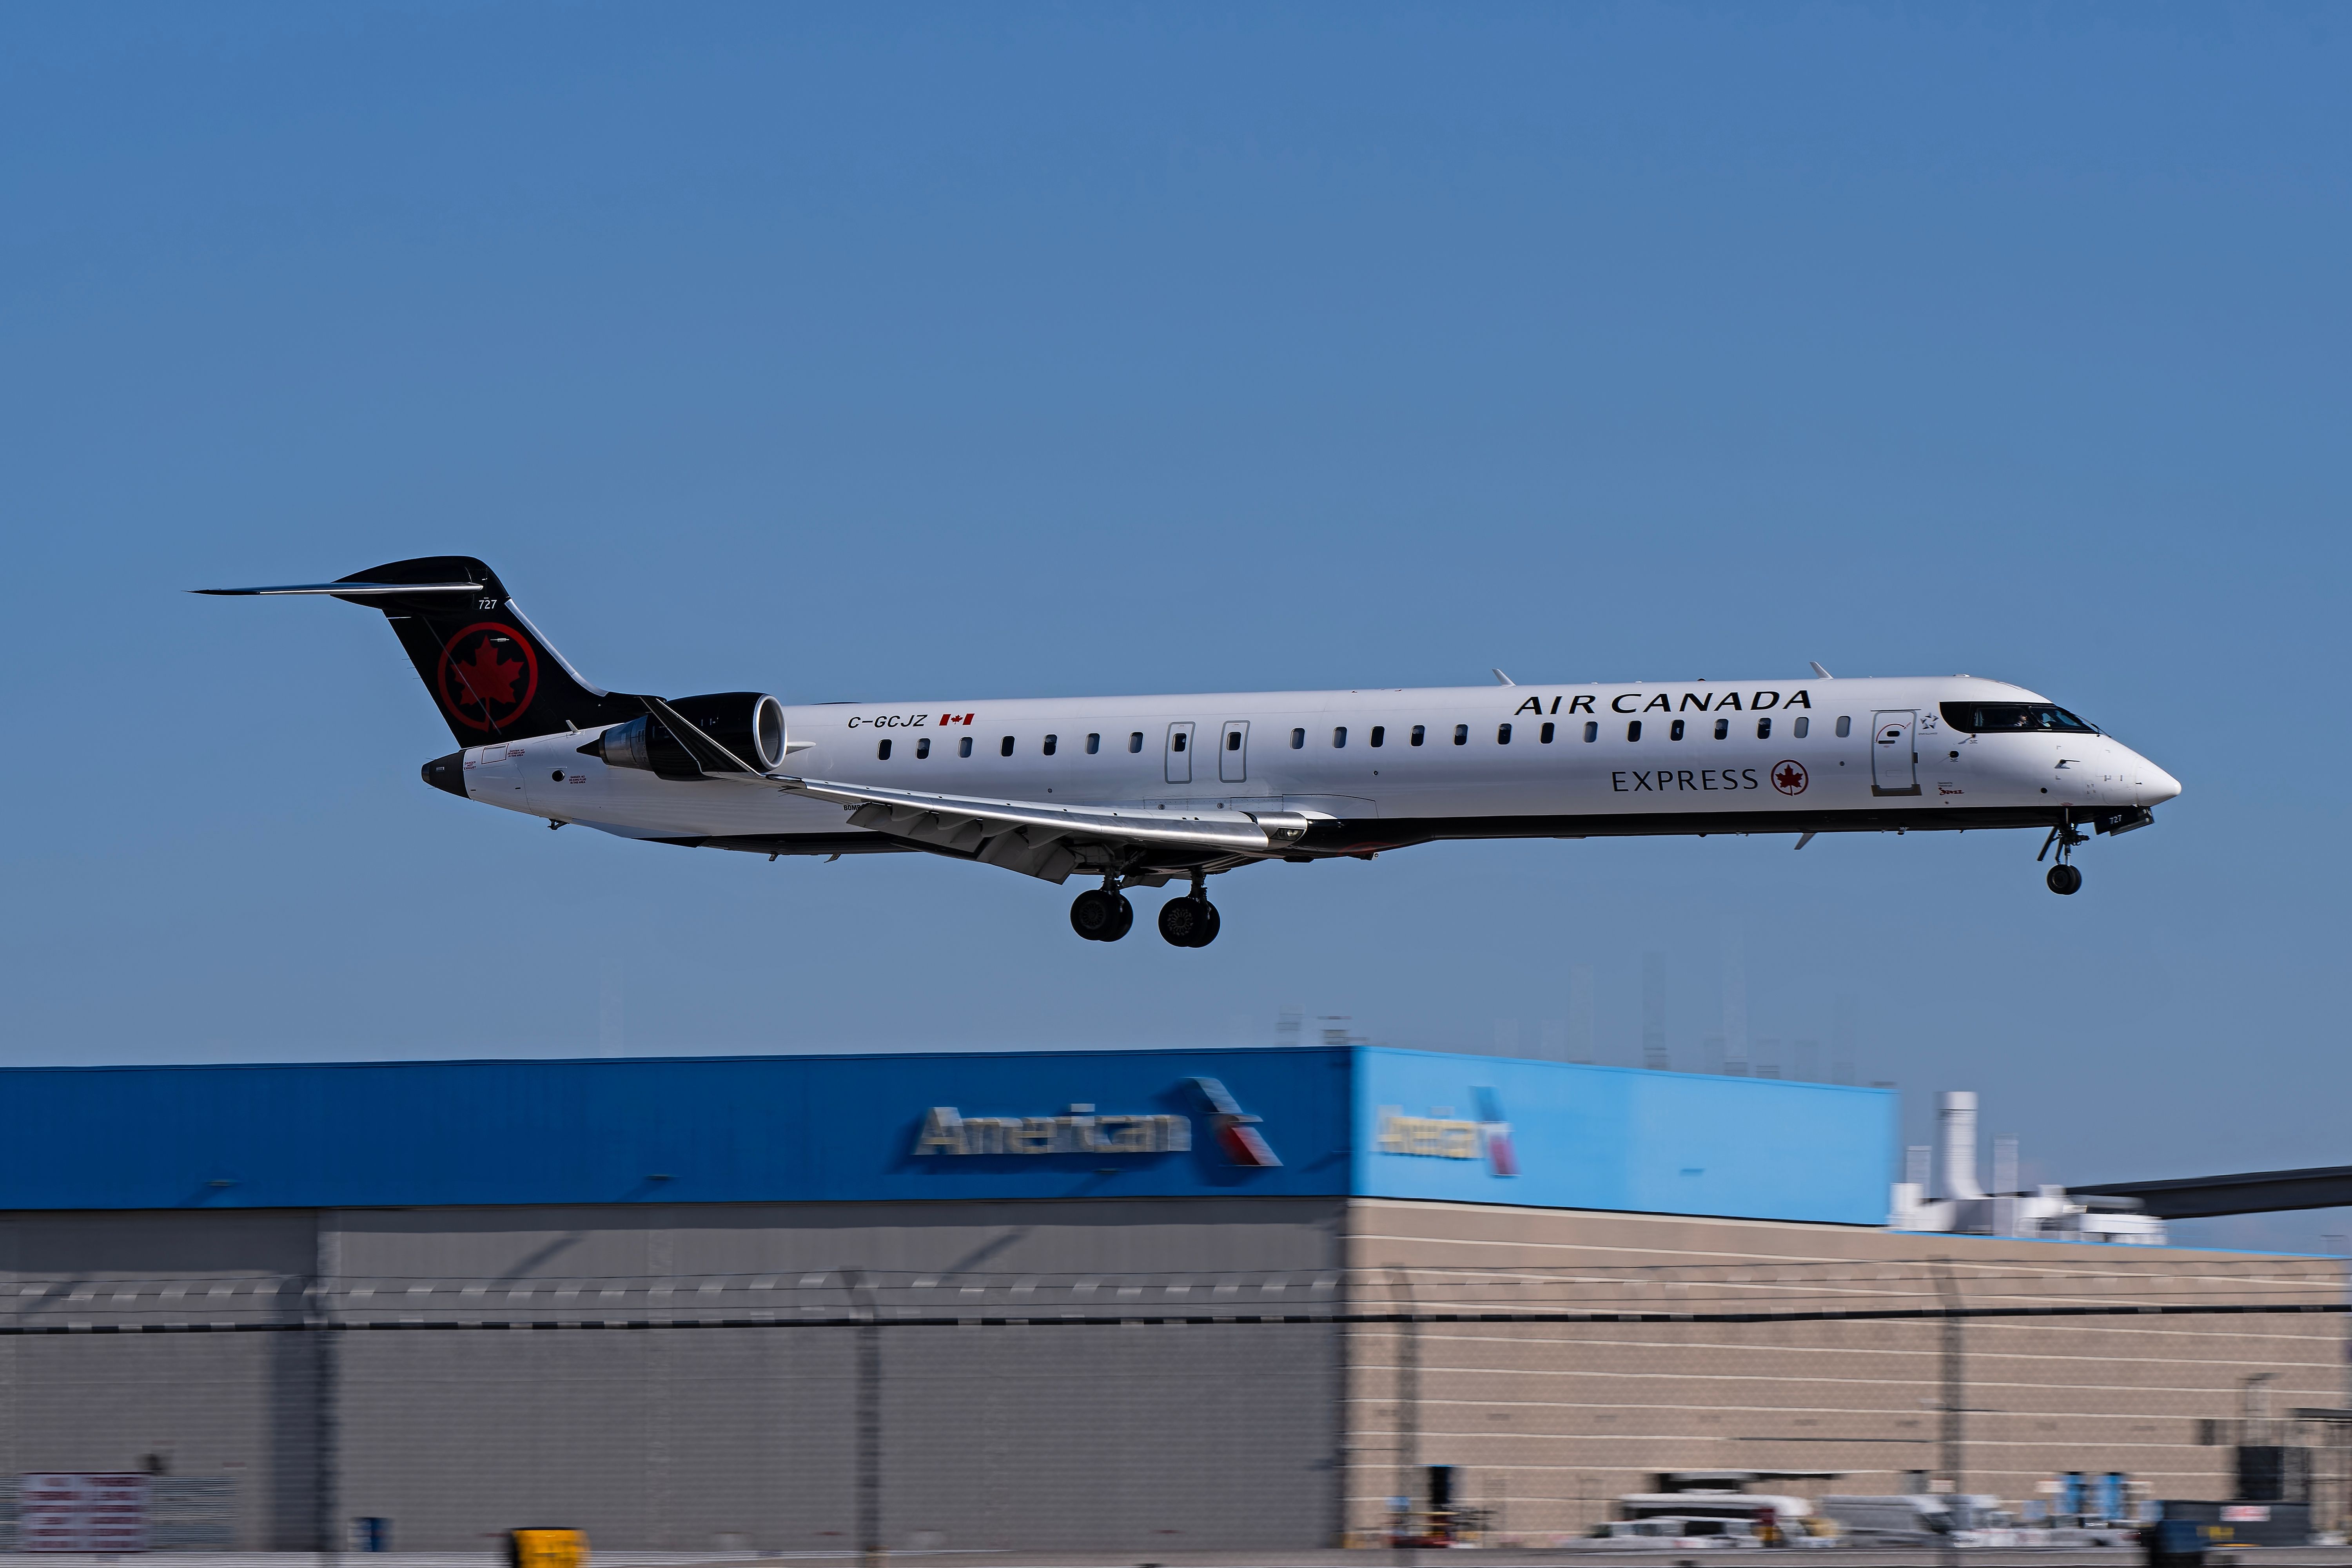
{"x": 238, "y": 1407}
{"x": 1145, "y": 1235}
{"x": 1130, "y": 1438}
{"x": 1109, "y": 1438}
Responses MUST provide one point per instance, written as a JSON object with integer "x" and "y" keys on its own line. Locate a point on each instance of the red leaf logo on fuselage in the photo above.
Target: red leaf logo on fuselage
{"x": 1789, "y": 777}
{"x": 488, "y": 676}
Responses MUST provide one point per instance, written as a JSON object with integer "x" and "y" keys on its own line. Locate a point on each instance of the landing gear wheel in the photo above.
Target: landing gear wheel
{"x": 2063, "y": 878}
{"x": 1100, "y": 915}
{"x": 1189, "y": 922}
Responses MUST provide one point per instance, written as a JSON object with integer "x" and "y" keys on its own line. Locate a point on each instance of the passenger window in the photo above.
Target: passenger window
{"x": 1544, "y": 735}
{"x": 1380, "y": 733}
{"x": 1633, "y": 730}
{"x": 1135, "y": 740}
{"x": 1845, "y": 727}
{"x": 1418, "y": 732}
{"x": 1803, "y": 728}
{"x": 1094, "y": 744}
{"x": 1339, "y": 737}
{"x": 1176, "y": 740}
{"x": 1591, "y": 730}
{"x": 1051, "y": 742}
{"x": 1232, "y": 740}
{"x": 1502, "y": 735}
{"x": 1461, "y": 735}
{"x": 1675, "y": 730}
{"x": 1004, "y": 747}
{"x": 922, "y": 748}
{"x": 1297, "y": 739}
{"x": 1763, "y": 729}
{"x": 963, "y": 747}
{"x": 882, "y": 752}
{"x": 1722, "y": 728}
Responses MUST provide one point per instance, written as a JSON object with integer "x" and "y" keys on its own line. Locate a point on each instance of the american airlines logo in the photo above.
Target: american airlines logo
{"x": 1082, "y": 1130}
{"x": 1442, "y": 1135}
{"x": 1078, "y": 1131}
{"x": 1236, "y": 1130}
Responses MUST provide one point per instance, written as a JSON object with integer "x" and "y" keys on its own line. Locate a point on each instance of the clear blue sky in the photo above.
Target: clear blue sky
{"x": 962, "y": 350}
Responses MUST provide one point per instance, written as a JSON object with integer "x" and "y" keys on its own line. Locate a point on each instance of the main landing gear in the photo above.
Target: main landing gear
{"x": 1189, "y": 921}
{"x": 1102, "y": 914}
{"x": 2065, "y": 877}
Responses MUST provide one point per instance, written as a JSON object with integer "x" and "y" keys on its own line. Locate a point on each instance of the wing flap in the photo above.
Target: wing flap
{"x": 961, "y": 823}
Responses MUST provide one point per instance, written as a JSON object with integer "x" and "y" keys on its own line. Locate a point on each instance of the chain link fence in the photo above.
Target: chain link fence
{"x": 843, "y": 1412}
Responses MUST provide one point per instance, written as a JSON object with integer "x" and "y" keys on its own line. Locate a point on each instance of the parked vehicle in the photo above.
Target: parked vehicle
{"x": 1748, "y": 1518}
{"x": 1668, "y": 1532}
{"x": 1916, "y": 1519}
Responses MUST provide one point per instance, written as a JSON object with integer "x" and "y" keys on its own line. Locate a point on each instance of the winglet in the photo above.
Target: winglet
{"x": 1503, "y": 680}
{"x": 1824, "y": 674}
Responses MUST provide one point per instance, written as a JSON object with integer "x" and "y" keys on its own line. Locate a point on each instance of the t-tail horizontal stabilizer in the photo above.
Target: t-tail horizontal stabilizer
{"x": 492, "y": 674}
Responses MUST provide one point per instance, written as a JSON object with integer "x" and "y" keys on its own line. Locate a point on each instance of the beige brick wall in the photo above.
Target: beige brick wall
{"x": 1553, "y": 1420}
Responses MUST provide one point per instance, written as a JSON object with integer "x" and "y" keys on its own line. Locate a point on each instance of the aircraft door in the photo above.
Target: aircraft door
{"x": 1180, "y": 754}
{"x": 1895, "y": 752}
{"x": 494, "y": 774}
{"x": 1232, "y": 752}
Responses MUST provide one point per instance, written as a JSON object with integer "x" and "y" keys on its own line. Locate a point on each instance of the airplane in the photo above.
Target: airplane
{"x": 1143, "y": 791}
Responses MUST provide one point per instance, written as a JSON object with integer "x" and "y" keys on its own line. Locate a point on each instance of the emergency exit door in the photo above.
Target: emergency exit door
{"x": 1180, "y": 754}
{"x": 1232, "y": 752}
{"x": 1894, "y": 753}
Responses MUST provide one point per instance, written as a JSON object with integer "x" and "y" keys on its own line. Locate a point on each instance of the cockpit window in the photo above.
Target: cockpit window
{"x": 1995, "y": 718}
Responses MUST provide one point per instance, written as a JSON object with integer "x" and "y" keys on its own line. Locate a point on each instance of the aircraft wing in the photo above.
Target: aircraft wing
{"x": 1034, "y": 838}
{"x": 1052, "y": 841}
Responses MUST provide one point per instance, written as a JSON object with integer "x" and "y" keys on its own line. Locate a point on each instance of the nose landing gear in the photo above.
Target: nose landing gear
{"x": 2065, "y": 877}
{"x": 1102, "y": 914}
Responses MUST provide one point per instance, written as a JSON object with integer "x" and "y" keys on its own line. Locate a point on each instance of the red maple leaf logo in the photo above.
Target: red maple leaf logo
{"x": 487, "y": 678}
{"x": 487, "y": 675}
{"x": 1788, "y": 779}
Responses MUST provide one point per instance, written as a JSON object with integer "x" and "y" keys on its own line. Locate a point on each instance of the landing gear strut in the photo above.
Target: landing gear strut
{"x": 1102, "y": 913}
{"x": 1189, "y": 921}
{"x": 2065, "y": 877}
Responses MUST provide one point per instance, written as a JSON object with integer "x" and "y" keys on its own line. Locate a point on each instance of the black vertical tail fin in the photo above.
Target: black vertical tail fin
{"x": 491, "y": 674}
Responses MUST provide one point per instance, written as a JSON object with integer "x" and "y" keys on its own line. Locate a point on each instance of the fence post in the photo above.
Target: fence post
{"x": 1408, "y": 1402}
{"x": 869, "y": 1331}
{"x": 325, "y": 1486}
{"x": 1953, "y": 1457}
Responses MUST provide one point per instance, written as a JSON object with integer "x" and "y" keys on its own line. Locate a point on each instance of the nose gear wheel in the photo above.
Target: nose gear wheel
{"x": 2066, "y": 878}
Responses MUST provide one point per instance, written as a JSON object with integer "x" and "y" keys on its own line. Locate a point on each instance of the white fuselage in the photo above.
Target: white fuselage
{"x": 1549, "y": 760}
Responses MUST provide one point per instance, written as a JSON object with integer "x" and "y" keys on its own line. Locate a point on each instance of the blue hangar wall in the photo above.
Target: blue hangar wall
{"x": 1044, "y": 1124}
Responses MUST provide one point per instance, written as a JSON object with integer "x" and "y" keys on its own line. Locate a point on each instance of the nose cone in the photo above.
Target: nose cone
{"x": 2151, "y": 784}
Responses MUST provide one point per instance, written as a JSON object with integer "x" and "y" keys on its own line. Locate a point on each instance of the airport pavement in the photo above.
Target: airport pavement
{"x": 1837, "y": 1557}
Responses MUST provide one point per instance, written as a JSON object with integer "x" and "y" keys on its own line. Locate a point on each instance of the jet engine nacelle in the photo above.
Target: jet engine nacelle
{"x": 749, "y": 723}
